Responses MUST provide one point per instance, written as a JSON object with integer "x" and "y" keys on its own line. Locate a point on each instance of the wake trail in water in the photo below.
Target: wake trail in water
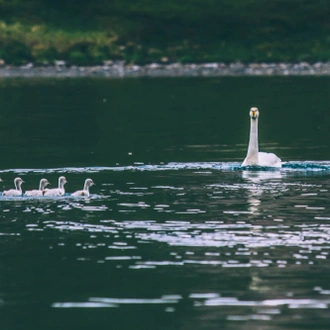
{"x": 294, "y": 166}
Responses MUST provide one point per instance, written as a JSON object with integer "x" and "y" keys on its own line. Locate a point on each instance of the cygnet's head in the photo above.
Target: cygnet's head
{"x": 89, "y": 183}
{"x": 44, "y": 183}
{"x": 18, "y": 182}
{"x": 62, "y": 180}
{"x": 254, "y": 113}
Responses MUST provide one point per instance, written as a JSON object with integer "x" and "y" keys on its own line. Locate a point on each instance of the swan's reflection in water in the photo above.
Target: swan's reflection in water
{"x": 257, "y": 186}
{"x": 260, "y": 182}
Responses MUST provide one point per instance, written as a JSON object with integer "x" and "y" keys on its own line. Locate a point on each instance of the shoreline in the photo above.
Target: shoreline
{"x": 120, "y": 70}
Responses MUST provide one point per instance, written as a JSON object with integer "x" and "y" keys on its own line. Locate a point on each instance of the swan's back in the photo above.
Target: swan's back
{"x": 54, "y": 192}
{"x": 34, "y": 192}
{"x": 80, "y": 193}
{"x": 269, "y": 159}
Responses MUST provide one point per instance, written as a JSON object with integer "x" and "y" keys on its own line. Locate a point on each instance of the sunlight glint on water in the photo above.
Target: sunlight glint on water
{"x": 175, "y": 234}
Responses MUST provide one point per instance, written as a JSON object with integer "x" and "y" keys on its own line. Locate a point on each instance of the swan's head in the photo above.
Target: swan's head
{"x": 89, "y": 183}
{"x": 44, "y": 183}
{"x": 62, "y": 180}
{"x": 18, "y": 182}
{"x": 254, "y": 113}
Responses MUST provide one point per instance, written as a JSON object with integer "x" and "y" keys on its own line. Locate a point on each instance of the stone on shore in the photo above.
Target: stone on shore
{"x": 118, "y": 69}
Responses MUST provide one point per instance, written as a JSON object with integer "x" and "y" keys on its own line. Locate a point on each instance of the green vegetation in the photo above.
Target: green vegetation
{"x": 142, "y": 31}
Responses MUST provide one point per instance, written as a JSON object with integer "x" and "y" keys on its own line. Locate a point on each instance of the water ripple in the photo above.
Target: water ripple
{"x": 207, "y": 299}
{"x": 290, "y": 166}
{"x": 253, "y": 228}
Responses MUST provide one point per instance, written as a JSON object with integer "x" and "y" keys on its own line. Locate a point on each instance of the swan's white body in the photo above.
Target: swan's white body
{"x": 85, "y": 191}
{"x": 40, "y": 191}
{"x": 14, "y": 192}
{"x": 60, "y": 191}
{"x": 254, "y": 157}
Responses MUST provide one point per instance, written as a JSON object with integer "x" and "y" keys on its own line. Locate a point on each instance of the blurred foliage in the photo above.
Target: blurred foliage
{"x": 139, "y": 31}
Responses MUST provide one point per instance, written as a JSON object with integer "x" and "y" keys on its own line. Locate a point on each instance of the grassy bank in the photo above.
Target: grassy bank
{"x": 141, "y": 31}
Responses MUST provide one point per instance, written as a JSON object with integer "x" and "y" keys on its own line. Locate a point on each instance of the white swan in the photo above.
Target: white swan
{"x": 85, "y": 191}
{"x": 57, "y": 191}
{"x": 14, "y": 192}
{"x": 254, "y": 157}
{"x": 40, "y": 192}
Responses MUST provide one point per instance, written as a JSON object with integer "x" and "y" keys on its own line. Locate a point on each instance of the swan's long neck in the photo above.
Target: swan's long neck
{"x": 253, "y": 148}
{"x": 86, "y": 186}
{"x": 18, "y": 185}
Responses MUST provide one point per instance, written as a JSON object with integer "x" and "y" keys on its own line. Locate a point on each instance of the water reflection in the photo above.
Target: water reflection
{"x": 258, "y": 180}
{"x": 259, "y": 176}
{"x": 175, "y": 225}
{"x": 176, "y": 234}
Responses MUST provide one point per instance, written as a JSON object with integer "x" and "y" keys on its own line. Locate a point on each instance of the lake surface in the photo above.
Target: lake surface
{"x": 175, "y": 234}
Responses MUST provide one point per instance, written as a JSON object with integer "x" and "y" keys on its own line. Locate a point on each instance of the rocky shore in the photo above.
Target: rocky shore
{"x": 120, "y": 70}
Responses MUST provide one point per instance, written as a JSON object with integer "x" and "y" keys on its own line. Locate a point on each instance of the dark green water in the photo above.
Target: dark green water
{"x": 175, "y": 234}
